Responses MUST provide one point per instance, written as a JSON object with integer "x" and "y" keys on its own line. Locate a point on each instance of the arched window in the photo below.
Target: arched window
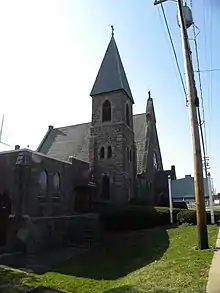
{"x": 127, "y": 115}
{"x": 109, "y": 152}
{"x": 43, "y": 180}
{"x": 127, "y": 151}
{"x": 102, "y": 153}
{"x": 155, "y": 161}
{"x": 106, "y": 111}
{"x": 56, "y": 184}
{"x": 43, "y": 183}
{"x": 130, "y": 155}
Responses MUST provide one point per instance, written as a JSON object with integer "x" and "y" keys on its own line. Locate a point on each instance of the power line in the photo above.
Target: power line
{"x": 207, "y": 70}
{"x": 174, "y": 52}
{"x": 200, "y": 88}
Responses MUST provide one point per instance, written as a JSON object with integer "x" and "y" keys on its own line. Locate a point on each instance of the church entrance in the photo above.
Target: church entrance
{"x": 105, "y": 191}
{"x": 5, "y": 210}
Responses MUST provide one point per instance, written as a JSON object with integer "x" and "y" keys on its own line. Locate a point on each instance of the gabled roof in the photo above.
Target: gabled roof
{"x": 111, "y": 75}
{"x": 61, "y": 143}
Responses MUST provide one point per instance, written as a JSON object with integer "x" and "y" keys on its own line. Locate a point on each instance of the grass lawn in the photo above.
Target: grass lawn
{"x": 158, "y": 260}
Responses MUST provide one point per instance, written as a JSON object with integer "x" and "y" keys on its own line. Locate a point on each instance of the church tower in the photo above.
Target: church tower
{"x": 112, "y": 148}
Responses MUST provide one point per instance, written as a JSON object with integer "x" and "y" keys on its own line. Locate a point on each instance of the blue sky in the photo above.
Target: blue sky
{"x": 51, "y": 51}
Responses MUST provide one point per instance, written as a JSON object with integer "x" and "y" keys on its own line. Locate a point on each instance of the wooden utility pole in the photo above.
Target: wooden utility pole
{"x": 194, "y": 125}
{"x": 193, "y": 104}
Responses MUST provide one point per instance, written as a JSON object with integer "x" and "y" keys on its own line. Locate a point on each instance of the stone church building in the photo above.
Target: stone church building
{"x": 109, "y": 161}
{"x": 116, "y": 145}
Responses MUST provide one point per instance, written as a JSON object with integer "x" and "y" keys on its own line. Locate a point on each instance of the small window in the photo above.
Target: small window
{"x": 56, "y": 185}
{"x": 109, "y": 152}
{"x": 130, "y": 155}
{"x": 127, "y": 151}
{"x": 102, "y": 153}
{"x": 43, "y": 180}
{"x": 155, "y": 161}
{"x": 127, "y": 115}
{"x": 43, "y": 183}
{"x": 106, "y": 111}
{"x": 56, "y": 181}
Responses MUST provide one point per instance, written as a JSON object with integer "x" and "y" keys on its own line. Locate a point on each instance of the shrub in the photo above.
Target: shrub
{"x": 189, "y": 217}
{"x": 137, "y": 217}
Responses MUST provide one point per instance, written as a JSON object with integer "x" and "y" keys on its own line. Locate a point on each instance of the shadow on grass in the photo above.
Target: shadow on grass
{"x": 131, "y": 289}
{"x": 14, "y": 281}
{"x": 119, "y": 255}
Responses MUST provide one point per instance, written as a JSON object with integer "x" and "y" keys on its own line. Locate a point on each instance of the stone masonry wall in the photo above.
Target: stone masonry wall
{"x": 24, "y": 188}
{"x": 45, "y": 233}
{"x": 117, "y": 134}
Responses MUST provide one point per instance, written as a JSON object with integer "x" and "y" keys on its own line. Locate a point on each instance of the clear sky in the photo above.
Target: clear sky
{"x": 51, "y": 51}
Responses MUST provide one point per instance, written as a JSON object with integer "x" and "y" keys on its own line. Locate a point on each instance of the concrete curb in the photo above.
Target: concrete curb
{"x": 213, "y": 285}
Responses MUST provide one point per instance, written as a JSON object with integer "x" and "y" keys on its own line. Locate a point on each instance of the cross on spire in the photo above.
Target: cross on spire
{"x": 112, "y": 27}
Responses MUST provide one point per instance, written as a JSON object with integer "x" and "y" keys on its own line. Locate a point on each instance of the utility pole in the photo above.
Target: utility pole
{"x": 193, "y": 104}
{"x": 194, "y": 125}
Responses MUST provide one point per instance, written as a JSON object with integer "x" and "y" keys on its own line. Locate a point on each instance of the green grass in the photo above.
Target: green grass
{"x": 158, "y": 260}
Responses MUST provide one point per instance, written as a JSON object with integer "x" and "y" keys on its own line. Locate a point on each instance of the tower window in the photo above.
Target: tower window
{"x": 106, "y": 111}
{"x": 155, "y": 161}
{"x": 109, "y": 152}
{"x": 127, "y": 151}
{"x": 130, "y": 155}
{"x": 127, "y": 115}
{"x": 102, "y": 153}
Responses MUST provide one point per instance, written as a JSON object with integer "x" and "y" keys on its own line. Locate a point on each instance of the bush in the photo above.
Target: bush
{"x": 189, "y": 217}
{"x": 137, "y": 217}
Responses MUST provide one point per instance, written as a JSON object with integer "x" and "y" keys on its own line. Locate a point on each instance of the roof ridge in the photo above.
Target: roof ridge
{"x": 72, "y": 125}
{"x": 117, "y": 61}
{"x": 86, "y": 123}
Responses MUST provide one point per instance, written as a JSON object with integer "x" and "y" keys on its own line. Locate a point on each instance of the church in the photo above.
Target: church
{"x": 116, "y": 157}
{"x": 118, "y": 146}
{"x": 108, "y": 162}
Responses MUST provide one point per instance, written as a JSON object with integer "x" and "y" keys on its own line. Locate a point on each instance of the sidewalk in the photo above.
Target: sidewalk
{"x": 213, "y": 285}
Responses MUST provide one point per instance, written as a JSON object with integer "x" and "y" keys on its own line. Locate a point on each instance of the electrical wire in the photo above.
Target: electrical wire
{"x": 200, "y": 86}
{"x": 174, "y": 52}
{"x": 207, "y": 70}
{"x": 202, "y": 124}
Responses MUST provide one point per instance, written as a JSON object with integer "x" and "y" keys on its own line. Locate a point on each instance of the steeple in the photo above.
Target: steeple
{"x": 150, "y": 107}
{"x": 111, "y": 75}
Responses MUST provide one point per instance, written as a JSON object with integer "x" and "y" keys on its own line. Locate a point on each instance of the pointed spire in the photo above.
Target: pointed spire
{"x": 150, "y": 107}
{"x": 112, "y": 27}
{"x": 111, "y": 76}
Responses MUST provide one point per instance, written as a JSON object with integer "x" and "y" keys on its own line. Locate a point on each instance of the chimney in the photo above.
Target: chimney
{"x": 188, "y": 176}
{"x": 17, "y": 147}
{"x": 173, "y": 172}
{"x": 50, "y": 127}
